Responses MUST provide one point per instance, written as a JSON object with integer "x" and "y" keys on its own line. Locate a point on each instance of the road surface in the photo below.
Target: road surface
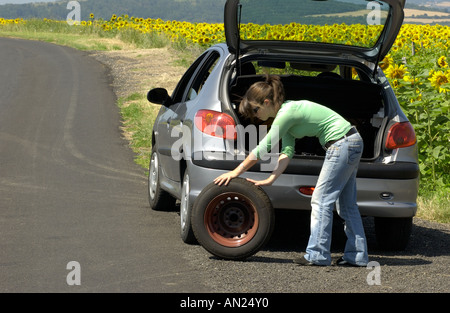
{"x": 69, "y": 189}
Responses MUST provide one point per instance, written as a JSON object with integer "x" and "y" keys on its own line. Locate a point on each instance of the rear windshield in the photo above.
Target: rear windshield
{"x": 346, "y": 22}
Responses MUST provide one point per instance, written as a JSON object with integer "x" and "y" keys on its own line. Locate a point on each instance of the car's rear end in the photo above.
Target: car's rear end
{"x": 337, "y": 75}
{"x": 387, "y": 178}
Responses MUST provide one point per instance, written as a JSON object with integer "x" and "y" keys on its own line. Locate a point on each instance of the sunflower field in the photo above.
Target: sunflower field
{"x": 417, "y": 67}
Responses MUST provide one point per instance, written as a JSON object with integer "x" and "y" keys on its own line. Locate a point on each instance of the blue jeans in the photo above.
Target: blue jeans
{"x": 337, "y": 184}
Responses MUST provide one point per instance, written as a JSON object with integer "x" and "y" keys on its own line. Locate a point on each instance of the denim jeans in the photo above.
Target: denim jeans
{"x": 337, "y": 184}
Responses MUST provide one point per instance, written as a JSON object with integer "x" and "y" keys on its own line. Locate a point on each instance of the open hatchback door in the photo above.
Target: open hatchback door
{"x": 360, "y": 28}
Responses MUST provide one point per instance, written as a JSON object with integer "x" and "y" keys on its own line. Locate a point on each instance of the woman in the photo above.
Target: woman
{"x": 337, "y": 179}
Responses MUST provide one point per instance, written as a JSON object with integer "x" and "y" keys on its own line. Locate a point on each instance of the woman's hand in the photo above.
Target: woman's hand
{"x": 249, "y": 161}
{"x": 283, "y": 161}
{"x": 225, "y": 178}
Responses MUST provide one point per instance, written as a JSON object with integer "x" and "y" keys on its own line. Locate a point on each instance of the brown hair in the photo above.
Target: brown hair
{"x": 271, "y": 88}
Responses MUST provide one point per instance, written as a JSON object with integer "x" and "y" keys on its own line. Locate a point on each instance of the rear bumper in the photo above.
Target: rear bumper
{"x": 399, "y": 180}
{"x": 308, "y": 166}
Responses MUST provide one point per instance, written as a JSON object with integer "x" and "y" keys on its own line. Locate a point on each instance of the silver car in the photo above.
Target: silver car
{"x": 199, "y": 133}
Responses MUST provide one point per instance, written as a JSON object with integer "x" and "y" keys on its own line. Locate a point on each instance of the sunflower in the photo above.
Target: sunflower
{"x": 442, "y": 62}
{"x": 395, "y": 84}
{"x": 438, "y": 79}
{"x": 412, "y": 80}
{"x": 387, "y": 61}
{"x": 396, "y": 71}
{"x": 355, "y": 74}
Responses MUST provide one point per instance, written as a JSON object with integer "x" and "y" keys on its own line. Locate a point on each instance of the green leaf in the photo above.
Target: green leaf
{"x": 440, "y": 120}
{"x": 436, "y": 151}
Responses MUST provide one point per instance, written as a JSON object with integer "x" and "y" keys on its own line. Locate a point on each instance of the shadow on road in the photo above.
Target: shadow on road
{"x": 428, "y": 239}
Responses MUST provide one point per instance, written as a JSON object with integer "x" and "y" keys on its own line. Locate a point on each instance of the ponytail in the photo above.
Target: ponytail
{"x": 278, "y": 94}
{"x": 272, "y": 89}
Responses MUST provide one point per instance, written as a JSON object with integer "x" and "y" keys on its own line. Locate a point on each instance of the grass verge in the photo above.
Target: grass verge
{"x": 434, "y": 206}
{"x": 83, "y": 38}
{"x": 138, "y": 117}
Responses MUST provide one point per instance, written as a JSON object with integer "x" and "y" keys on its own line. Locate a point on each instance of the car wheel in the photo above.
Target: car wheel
{"x": 234, "y": 221}
{"x": 187, "y": 235}
{"x": 393, "y": 233}
{"x": 158, "y": 199}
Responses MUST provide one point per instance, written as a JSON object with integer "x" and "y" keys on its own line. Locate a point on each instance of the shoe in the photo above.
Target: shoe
{"x": 304, "y": 262}
{"x": 342, "y": 262}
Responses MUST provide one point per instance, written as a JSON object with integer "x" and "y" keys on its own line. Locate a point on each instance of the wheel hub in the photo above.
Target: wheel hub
{"x": 153, "y": 176}
{"x": 234, "y": 217}
{"x": 231, "y": 219}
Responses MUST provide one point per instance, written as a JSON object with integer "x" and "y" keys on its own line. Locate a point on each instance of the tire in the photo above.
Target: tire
{"x": 393, "y": 233}
{"x": 159, "y": 200}
{"x": 186, "y": 232}
{"x": 233, "y": 222}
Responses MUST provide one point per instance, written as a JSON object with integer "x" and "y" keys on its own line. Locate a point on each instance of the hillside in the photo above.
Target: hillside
{"x": 182, "y": 10}
{"x": 306, "y": 12}
{"x": 211, "y": 11}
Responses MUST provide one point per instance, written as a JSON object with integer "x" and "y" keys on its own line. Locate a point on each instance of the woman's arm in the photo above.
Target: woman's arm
{"x": 283, "y": 161}
{"x": 249, "y": 161}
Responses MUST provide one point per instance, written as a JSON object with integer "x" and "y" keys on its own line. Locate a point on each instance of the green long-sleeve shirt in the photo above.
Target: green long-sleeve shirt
{"x": 297, "y": 119}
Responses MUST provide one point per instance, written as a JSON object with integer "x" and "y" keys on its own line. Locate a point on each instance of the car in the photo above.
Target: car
{"x": 199, "y": 133}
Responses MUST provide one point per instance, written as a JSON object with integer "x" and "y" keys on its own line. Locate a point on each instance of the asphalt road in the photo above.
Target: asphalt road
{"x": 69, "y": 189}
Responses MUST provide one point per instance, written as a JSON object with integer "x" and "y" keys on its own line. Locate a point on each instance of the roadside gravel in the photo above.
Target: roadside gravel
{"x": 139, "y": 70}
{"x": 423, "y": 267}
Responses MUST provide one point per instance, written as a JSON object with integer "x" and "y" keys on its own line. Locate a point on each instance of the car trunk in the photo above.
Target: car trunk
{"x": 360, "y": 102}
{"x": 348, "y": 30}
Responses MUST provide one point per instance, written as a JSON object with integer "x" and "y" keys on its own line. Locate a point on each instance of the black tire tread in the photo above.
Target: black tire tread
{"x": 244, "y": 251}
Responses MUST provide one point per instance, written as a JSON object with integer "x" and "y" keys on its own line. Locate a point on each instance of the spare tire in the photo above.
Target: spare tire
{"x": 234, "y": 221}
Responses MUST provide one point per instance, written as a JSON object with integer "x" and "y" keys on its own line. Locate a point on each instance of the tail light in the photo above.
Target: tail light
{"x": 400, "y": 135}
{"x": 216, "y": 124}
{"x": 306, "y": 190}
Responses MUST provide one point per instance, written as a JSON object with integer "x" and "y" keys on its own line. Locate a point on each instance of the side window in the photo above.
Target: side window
{"x": 202, "y": 75}
{"x": 177, "y": 95}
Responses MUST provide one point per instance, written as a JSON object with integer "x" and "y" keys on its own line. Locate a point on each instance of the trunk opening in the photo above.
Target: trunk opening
{"x": 360, "y": 102}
